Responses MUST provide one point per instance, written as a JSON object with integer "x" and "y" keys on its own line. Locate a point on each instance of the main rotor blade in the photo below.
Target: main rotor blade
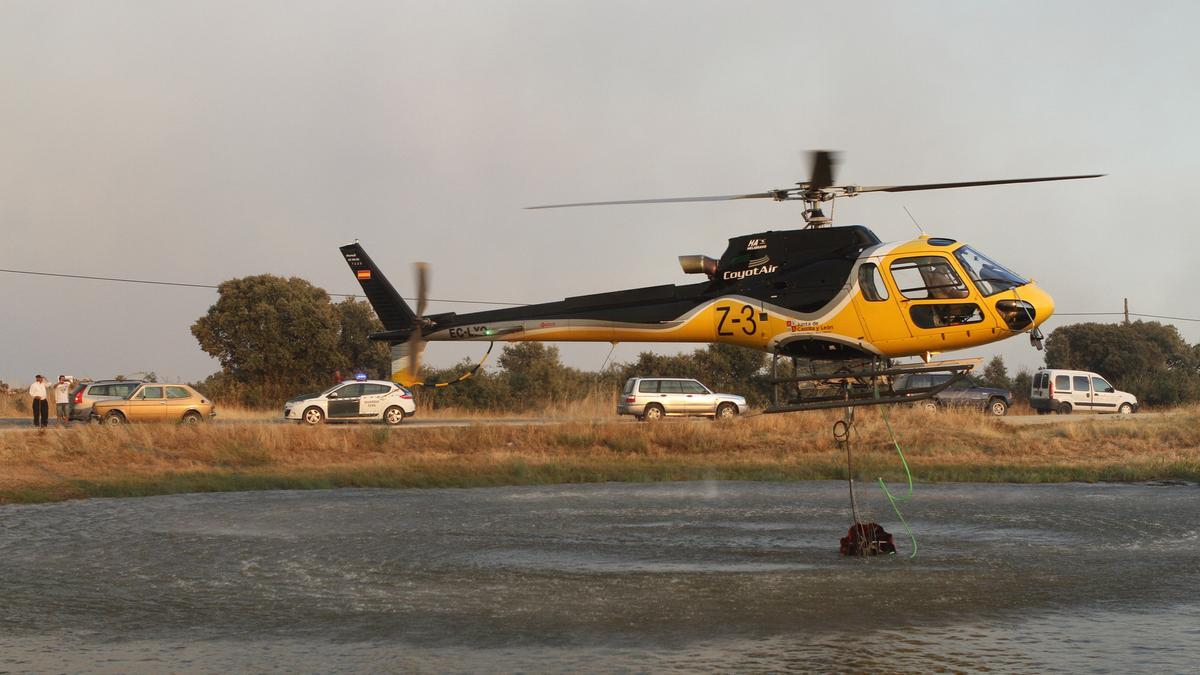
{"x": 716, "y": 198}
{"x": 855, "y": 189}
{"x": 822, "y": 172}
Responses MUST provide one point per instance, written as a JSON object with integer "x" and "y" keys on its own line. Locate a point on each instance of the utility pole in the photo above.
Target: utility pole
{"x": 1126, "y": 311}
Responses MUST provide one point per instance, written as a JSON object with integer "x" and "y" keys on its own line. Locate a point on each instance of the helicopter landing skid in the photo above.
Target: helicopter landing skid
{"x": 872, "y": 385}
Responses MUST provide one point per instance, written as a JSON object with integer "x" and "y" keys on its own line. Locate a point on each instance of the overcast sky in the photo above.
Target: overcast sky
{"x": 200, "y": 141}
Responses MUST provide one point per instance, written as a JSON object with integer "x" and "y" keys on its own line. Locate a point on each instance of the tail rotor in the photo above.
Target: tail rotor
{"x": 416, "y": 341}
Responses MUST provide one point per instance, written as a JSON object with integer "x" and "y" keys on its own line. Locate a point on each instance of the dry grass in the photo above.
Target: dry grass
{"x": 593, "y": 407}
{"x": 14, "y": 405}
{"x": 85, "y": 461}
{"x": 19, "y": 404}
{"x": 227, "y": 411}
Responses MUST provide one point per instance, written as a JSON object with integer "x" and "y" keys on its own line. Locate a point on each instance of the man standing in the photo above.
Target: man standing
{"x": 62, "y": 400}
{"x": 41, "y": 407}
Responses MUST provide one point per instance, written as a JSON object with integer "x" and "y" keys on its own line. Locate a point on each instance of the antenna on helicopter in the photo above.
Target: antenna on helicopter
{"x": 920, "y": 229}
{"x": 819, "y": 188}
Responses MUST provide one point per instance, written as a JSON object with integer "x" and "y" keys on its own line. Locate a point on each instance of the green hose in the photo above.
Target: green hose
{"x": 908, "y": 474}
{"x": 888, "y": 493}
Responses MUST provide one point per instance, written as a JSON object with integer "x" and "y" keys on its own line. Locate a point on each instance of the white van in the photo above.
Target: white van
{"x": 1068, "y": 391}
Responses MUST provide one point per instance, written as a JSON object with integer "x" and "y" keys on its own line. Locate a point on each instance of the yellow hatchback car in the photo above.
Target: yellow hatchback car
{"x": 156, "y": 403}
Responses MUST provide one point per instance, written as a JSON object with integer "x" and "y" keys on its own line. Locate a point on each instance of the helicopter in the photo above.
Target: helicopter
{"x": 822, "y": 295}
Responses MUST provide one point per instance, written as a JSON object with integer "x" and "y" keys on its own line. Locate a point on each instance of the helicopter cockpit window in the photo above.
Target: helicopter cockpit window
{"x": 991, "y": 277}
{"x": 927, "y": 277}
{"x": 870, "y": 280}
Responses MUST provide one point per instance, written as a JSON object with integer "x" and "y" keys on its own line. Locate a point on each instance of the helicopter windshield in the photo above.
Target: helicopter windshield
{"x": 990, "y": 276}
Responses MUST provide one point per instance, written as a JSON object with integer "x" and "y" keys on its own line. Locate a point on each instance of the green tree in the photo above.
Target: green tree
{"x": 530, "y": 376}
{"x": 1146, "y": 358}
{"x": 726, "y": 368}
{"x": 1021, "y": 384}
{"x": 356, "y": 320}
{"x": 485, "y": 390}
{"x": 730, "y": 365}
{"x": 996, "y": 374}
{"x": 535, "y": 373}
{"x": 271, "y": 335}
{"x": 649, "y": 364}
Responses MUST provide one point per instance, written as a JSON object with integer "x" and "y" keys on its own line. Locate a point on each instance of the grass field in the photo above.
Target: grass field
{"x": 91, "y": 461}
{"x": 591, "y": 407}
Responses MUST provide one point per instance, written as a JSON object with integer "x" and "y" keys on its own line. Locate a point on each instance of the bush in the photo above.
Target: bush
{"x": 1146, "y": 358}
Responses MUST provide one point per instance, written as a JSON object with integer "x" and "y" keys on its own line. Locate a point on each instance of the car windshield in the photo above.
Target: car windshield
{"x": 325, "y": 392}
{"x": 990, "y": 276}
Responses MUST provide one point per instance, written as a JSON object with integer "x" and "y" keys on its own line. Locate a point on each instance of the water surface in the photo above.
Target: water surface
{"x": 676, "y": 576}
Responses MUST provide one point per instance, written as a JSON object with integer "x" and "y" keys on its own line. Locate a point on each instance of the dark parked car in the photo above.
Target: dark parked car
{"x": 966, "y": 393}
{"x": 86, "y": 394}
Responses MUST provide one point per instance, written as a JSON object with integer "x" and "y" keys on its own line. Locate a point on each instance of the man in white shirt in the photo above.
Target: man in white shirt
{"x": 62, "y": 399}
{"x": 41, "y": 407}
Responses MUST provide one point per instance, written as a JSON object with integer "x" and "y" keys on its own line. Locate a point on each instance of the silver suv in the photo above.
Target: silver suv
{"x": 651, "y": 398}
{"x": 85, "y": 394}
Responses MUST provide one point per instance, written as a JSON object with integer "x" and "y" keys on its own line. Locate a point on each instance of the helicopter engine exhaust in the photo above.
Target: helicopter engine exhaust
{"x": 698, "y": 264}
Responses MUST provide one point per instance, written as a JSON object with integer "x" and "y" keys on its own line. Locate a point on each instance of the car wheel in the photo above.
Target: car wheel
{"x": 393, "y": 415}
{"x": 726, "y": 411}
{"x": 1064, "y": 409}
{"x": 998, "y": 407}
{"x": 313, "y": 416}
{"x": 113, "y": 418}
{"x": 1125, "y": 409}
{"x": 929, "y": 406}
{"x": 653, "y": 412}
{"x": 192, "y": 417}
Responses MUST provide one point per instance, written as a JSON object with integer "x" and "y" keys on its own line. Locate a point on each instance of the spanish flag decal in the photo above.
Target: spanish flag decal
{"x": 363, "y": 274}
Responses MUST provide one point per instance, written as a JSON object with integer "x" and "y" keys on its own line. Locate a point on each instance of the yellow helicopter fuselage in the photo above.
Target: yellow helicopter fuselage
{"x": 830, "y": 294}
{"x": 888, "y": 321}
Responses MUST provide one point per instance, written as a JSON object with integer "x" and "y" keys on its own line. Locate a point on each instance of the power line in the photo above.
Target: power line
{"x": 1171, "y": 318}
{"x": 474, "y": 302}
{"x": 1144, "y": 316}
{"x": 130, "y": 281}
{"x": 185, "y": 285}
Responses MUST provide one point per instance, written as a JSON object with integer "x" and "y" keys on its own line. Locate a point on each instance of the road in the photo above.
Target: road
{"x": 1028, "y": 420}
{"x": 14, "y": 423}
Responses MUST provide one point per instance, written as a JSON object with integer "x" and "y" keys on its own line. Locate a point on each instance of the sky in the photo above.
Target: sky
{"x": 197, "y": 141}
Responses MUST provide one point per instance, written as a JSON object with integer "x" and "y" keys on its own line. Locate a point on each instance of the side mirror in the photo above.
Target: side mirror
{"x": 332, "y": 395}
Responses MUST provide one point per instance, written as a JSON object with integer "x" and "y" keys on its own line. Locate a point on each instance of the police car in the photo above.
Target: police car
{"x": 353, "y": 400}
